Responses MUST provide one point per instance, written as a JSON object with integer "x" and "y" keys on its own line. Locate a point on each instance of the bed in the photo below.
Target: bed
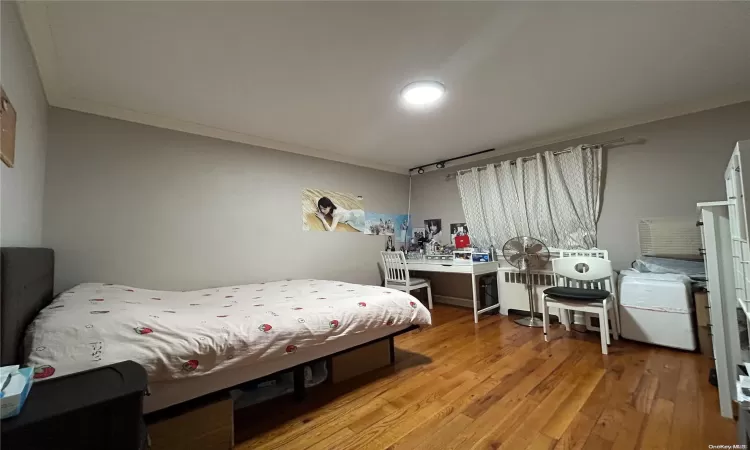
{"x": 192, "y": 343}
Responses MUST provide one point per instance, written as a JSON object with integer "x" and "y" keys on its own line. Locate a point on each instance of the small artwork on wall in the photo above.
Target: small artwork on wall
{"x": 380, "y": 224}
{"x": 387, "y": 224}
{"x": 402, "y": 227}
{"x": 458, "y": 229}
{"x": 434, "y": 229}
{"x": 332, "y": 211}
{"x": 7, "y": 130}
{"x": 417, "y": 234}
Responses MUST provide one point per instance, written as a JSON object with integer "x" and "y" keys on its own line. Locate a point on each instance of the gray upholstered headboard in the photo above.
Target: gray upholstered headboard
{"x": 26, "y": 278}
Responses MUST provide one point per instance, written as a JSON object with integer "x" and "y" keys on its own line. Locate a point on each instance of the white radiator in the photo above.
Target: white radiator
{"x": 512, "y": 288}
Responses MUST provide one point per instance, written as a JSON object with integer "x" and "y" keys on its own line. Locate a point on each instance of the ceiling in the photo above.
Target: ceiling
{"x": 323, "y": 78}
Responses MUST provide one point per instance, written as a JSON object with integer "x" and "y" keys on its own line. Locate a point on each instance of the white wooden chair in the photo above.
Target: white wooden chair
{"x": 397, "y": 275}
{"x": 583, "y": 284}
{"x": 593, "y": 253}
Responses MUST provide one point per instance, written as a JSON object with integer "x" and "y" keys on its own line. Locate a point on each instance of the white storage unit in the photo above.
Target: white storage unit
{"x": 657, "y": 309}
{"x": 720, "y": 274}
{"x": 727, "y": 259}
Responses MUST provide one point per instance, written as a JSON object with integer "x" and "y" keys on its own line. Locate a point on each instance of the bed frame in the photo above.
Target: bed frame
{"x": 26, "y": 287}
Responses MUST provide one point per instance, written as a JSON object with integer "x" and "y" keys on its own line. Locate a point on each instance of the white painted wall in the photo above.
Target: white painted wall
{"x": 22, "y": 187}
{"x": 681, "y": 163}
{"x": 153, "y": 208}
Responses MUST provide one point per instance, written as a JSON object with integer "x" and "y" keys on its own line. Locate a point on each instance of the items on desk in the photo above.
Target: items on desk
{"x": 15, "y": 388}
{"x": 458, "y": 229}
{"x": 439, "y": 257}
{"x": 462, "y": 256}
{"x": 480, "y": 257}
{"x": 462, "y": 241}
{"x": 389, "y": 247}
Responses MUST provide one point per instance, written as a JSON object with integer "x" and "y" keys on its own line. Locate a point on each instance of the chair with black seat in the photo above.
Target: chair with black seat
{"x": 583, "y": 284}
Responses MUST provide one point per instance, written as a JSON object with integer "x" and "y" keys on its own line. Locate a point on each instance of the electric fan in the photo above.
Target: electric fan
{"x": 527, "y": 253}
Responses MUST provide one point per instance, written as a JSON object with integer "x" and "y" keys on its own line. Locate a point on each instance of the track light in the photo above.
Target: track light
{"x": 440, "y": 165}
{"x": 420, "y": 171}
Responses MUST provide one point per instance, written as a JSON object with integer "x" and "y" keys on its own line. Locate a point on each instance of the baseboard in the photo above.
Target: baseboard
{"x": 454, "y": 301}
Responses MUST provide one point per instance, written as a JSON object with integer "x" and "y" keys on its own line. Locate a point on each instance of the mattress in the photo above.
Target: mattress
{"x": 230, "y": 334}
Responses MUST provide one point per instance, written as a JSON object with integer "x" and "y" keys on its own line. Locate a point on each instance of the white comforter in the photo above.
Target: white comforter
{"x": 180, "y": 334}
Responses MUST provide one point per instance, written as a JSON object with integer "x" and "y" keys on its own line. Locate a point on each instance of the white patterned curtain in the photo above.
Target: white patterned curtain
{"x": 554, "y": 198}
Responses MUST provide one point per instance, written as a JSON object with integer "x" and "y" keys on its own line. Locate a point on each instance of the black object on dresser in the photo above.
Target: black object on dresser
{"x": 97, "y": 409}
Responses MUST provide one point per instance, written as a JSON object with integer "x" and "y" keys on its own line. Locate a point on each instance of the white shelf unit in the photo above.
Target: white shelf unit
{"x": 737, "y": 192}
{"x": 727, "y": 258}
{"x": 719, "y": 262}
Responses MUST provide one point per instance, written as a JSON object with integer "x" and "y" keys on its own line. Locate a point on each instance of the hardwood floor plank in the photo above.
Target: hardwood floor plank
{"x": 566, "y": 412}
{"x": 620, "y": 382}
{"x": 717, "y": 430}
{"x": 665, "y": 364}
{"x": 656, "y": 430}
{"x": 542, "y": 442}
{"x": 607, "y": 426}
{"x": 574, "y": 437}
{"x": 505, "y": 385}
{"x": 377, "y": 415}
{"x": 492, "y": 385}
{"x": 332, "y": 441}
{"x": 389, "y": 430}
{"x": 595, "y": 442}
{"x": 644, "y": 395}
{"x": 485, "y": 436}
{"x": 444, "y": 433}
{"x": 686, "y": 430}
{"x": 545, "y": 411}
{"x": 629, "y": 432}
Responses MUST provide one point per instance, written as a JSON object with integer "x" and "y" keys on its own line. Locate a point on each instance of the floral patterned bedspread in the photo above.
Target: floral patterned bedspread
{"x": 181, "y": 334}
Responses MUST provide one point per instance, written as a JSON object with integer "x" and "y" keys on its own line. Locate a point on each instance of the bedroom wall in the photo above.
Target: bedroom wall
{"x": 681, "y": 163}
{"x": 154, "y": 208}
{"x": 22, "y": 186}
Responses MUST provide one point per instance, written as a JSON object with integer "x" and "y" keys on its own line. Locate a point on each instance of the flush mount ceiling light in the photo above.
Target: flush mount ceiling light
{"x": 423, "y": 93}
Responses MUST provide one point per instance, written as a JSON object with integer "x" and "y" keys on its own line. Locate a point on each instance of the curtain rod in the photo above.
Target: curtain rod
{"x": 441, "y": 164}
{"x": 528, "y": 158}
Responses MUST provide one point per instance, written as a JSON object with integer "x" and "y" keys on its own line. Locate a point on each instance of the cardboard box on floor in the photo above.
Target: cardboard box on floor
{"x": 364, "y": 359}
{"x": 703, "y": 317}
{"x": 701, "y": 309}
{"x": 705, "y": 341}
{"x": 209, "y": 427}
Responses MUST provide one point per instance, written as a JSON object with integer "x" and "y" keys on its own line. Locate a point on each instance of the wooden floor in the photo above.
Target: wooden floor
{"x": 496, "y": 385}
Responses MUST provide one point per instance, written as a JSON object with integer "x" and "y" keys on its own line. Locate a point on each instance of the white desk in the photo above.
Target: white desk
{"x": 474, "y": 270}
